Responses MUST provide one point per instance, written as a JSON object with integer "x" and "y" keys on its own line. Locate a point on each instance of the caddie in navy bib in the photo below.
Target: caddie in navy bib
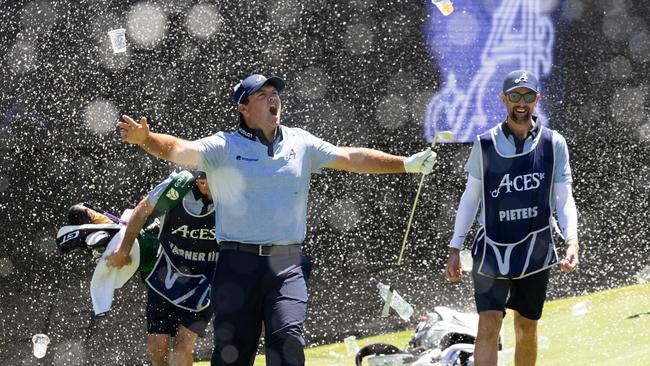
{"x": 184, "y": 270}
{"x": 516, "y": 239}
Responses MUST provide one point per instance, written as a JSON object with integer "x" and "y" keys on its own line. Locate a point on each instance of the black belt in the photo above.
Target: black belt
{"x": 263, "y": 250}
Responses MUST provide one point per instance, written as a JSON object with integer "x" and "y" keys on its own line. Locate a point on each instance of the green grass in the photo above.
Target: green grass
{"x": 615, "y": 331}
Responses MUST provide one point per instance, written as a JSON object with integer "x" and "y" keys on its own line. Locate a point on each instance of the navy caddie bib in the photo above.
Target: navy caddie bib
{"x": 516, "y": 239}
{"x": 184, "y": 270}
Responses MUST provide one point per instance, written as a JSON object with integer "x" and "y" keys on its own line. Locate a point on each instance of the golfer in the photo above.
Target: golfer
{"x": 260, "y": 177}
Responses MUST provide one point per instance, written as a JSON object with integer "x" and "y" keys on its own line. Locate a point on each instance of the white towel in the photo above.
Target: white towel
{"x": 106, "y": 279}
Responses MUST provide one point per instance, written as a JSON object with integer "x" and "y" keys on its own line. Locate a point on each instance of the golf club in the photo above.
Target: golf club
{"x": 443, "y": 135}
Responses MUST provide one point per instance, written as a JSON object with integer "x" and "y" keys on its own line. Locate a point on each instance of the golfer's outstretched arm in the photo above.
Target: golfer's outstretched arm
{"x": 162, "y": 146}
{"x": 364, "y": 160}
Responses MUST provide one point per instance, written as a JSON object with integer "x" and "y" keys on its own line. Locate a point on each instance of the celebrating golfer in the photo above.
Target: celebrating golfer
{"x": 519, "y": 172}
{"x": 260, "y": 175}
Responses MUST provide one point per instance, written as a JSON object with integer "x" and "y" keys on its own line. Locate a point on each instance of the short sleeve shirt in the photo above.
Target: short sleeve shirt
{"x": 261, "y": 191}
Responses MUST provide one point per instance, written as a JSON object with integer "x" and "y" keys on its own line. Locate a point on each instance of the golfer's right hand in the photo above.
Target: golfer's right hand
{"x": 118, "y": 259}
{"x": 452, "y": 269}
{"x": 421, "y": 162}
{"x": 133, "y": 132}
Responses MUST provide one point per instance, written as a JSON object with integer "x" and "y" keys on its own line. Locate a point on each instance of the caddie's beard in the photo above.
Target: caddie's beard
{"x": 519, "y": 118}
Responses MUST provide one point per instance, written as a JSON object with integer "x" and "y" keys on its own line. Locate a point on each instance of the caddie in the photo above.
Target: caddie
{"x": 519, "y": 173}
{"x": 178, "y": 297}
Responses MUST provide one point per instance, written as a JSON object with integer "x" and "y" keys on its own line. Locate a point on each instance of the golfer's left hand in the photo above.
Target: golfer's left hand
{"x": 570, "y": 260}
{"x": 421, "y": 162}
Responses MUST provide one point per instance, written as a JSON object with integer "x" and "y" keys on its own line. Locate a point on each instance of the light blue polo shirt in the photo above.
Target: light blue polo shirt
{"x": 261, "y": 190}
{"x": 506, "y": 146}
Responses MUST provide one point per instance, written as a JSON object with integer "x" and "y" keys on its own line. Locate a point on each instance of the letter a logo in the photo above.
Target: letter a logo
{"x": 523, "y": 78}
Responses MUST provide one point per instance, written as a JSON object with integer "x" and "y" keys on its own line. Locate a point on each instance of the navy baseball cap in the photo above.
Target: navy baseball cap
{"x": 199, "y": 174}
{"x": 520, "y": 79}
{"x": 252, "y": 84}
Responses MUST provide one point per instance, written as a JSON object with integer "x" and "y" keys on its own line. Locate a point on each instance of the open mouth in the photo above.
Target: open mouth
{"x": 520, "y": 112}
{"x": 273, "y": 110}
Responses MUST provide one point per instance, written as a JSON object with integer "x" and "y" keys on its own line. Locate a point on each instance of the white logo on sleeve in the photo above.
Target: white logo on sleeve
{"x": 180, "y": 180}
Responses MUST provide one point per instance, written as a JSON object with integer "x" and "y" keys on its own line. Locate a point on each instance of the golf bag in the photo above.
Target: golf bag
{"x": 91, "y": 238}
{"x": 442, "y": 337}
{"x": 84, "y": 234}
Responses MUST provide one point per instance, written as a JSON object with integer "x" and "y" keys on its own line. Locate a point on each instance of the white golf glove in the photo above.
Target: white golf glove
{"x": 421, "y": 162}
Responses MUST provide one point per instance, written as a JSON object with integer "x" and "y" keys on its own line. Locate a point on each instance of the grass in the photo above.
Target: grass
{"x": 614, "y": 330}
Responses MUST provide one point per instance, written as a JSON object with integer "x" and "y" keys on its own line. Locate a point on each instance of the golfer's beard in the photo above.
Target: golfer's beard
{"x": 524, "y": 118}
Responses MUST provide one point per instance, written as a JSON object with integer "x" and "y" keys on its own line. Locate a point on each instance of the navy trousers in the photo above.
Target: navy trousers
{"x": 249, "y": 290}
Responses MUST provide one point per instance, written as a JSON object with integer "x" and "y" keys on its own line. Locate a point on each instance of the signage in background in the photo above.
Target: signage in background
{"x": 474, "y": 48}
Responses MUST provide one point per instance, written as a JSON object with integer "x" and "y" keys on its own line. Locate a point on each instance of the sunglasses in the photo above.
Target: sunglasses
{"x": 516, "y": 97}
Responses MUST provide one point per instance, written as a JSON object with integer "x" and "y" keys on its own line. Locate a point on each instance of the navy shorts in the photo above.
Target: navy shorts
{"x": 525, "y": 295}
{"x": 164, "y": 318}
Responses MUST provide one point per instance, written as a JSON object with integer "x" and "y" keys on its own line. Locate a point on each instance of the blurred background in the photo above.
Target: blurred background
{"x": 384, "y": 74}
